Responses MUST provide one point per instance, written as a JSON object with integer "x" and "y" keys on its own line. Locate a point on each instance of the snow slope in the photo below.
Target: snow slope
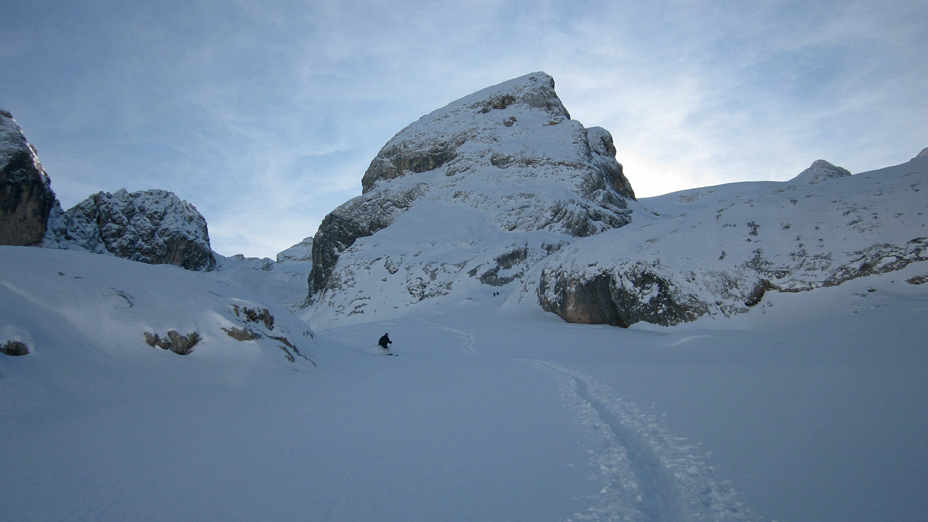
{"x": 814, "y": 407}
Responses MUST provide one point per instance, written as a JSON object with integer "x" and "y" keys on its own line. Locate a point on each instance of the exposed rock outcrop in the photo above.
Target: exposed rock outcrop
{"x": 175, "y": 342}
{"x": 624, "y": 298}
{"x": 152, "y": 226}
{"x": 359, "y": 217}
{"x": 508, "y": 156}
{"x": 26, "y": 197}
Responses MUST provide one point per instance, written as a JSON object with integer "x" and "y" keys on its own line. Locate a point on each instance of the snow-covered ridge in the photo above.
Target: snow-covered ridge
{"x": 716, "y": 251}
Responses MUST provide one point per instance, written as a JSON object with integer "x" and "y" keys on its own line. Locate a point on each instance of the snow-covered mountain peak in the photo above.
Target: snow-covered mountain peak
{"x": 819, "y": 171}
{"x": 435, "y": 139}
{"x": 518, "y": 123}
{"x": 494, "y": 180}
{"x": 301, "y": 251}
{"x": 923, "y": 153}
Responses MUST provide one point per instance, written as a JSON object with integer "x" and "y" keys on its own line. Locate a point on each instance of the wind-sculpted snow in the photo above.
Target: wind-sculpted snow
{"x": 504, "y": 170}
{"x": 716, "y": 251}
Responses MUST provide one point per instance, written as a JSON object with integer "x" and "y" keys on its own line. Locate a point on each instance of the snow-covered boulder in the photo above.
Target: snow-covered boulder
{"x": 26, "y": 197}
{"x": 150, "y": 226}
{"x": 717, "y": 251}
{"x": 492, "y": 182}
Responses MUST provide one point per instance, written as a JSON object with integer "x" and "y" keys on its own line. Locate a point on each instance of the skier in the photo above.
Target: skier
{"x": 384, "y": 341}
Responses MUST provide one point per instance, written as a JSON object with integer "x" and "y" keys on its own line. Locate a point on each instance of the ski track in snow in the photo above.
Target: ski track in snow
{"x": 469, "y": 341}
{"x": 648, "y": 474}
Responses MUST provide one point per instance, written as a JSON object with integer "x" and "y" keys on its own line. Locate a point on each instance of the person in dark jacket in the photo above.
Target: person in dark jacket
{"x": 384, "y": 341}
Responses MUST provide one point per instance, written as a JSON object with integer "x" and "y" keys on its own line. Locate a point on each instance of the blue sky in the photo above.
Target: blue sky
{"x": 265, "y": 115}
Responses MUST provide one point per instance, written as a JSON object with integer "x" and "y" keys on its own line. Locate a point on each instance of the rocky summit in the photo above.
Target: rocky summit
{"x": 26, "y": 197}
{"x": 476, "y": 193}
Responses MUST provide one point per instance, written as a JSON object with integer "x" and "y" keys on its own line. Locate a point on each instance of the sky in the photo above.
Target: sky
{"x": 265, "y": 115}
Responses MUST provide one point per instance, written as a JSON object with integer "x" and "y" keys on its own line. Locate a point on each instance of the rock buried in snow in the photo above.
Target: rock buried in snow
{"x": 14, "y": 348}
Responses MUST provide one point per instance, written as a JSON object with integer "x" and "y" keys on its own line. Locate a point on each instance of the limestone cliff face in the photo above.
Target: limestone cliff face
{"x": 510, "y": 154}
{"x": 26, "y": 197}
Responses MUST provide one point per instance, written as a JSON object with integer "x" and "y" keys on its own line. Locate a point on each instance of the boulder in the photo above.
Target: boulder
{"x": 151, "y": 226}
{"x": 26, "y": 197}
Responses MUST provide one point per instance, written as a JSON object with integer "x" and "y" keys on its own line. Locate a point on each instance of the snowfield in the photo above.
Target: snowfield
{"x": 811, "y": 407}
{"x": 788, "y": 383}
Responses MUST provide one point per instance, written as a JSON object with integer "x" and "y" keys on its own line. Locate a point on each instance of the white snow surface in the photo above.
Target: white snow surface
{"x": 816, "y": 410}
{"x": 812, "y": 405}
